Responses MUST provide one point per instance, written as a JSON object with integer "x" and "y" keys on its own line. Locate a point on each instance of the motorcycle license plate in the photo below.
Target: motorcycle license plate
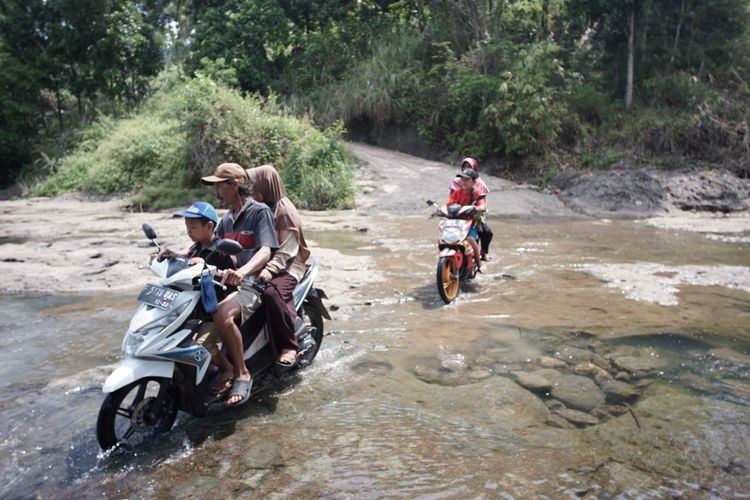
{"x": 157, "y": 296}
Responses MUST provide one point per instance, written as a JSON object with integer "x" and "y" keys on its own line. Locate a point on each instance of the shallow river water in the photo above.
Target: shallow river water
{"x": 412, "y": 398}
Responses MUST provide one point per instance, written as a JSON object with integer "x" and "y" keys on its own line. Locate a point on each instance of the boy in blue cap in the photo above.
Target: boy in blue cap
{"x": 200, "y": 221}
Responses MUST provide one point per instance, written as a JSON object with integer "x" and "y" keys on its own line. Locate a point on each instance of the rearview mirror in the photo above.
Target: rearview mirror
{"x": 229, "y": 247}
{"x": 149, "y": 231}
{"x": 430, "y": 203}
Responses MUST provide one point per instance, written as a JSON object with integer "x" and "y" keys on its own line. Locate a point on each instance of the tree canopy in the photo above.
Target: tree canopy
{"x": 507, "y": 79}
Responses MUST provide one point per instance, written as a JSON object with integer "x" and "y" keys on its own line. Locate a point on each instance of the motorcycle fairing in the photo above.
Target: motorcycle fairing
{"x": 131, "y": 369}
{"x": 453, "y": 231}
{"x": 451, "y": 252}
{"x": 155, "y": 344}
{"x": 196, "y": 355}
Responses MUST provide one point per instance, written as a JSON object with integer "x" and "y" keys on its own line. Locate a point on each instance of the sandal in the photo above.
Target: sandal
{"x": 286, "y": 361}
{"x": 241, "y": 388}
{"x": 287, "y": 357}
{"x": 221, "y": 387}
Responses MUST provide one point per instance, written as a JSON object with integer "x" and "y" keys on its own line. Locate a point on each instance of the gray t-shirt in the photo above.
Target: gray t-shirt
{"x": 252, "y": 228}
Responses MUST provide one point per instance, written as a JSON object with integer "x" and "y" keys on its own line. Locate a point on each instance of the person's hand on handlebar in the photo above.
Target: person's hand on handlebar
{"x": 468, "y": 210}
{"x": 165, "y": 253}
{"x": 232, "y": 277}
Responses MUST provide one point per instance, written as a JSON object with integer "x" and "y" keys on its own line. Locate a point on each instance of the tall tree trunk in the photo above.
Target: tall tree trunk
{"x": 631, "y": 50}
{"x": 58, "y": 98}
{"x": 677, "y": 32}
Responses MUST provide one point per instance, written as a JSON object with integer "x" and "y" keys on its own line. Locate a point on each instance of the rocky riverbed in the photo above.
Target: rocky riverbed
{"x": 596, "y": 357}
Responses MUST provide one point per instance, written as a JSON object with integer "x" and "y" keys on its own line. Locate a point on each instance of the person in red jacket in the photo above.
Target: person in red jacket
{"x": 485, "y": 233}
{"x": 469, "y": 196}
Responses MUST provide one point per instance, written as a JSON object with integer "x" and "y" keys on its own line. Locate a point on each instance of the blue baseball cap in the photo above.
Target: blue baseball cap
{"x": 199, "y": 209}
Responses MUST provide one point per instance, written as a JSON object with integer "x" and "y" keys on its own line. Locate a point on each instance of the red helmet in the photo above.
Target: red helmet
{"x": 470, "y": 163}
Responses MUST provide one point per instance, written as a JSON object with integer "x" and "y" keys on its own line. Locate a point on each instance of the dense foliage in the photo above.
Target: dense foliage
{"x": 526, "y": 83}
{"x": 197, "y": 123}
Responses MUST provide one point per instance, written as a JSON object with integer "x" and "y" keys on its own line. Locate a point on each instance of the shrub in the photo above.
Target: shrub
{"x": 187, "y": 128}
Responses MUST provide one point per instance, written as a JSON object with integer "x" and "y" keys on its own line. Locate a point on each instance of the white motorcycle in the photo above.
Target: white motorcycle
{"x": 166, "y": 369}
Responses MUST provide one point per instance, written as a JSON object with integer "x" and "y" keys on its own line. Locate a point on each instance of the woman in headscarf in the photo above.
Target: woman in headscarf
{"x": 288, "y": 264}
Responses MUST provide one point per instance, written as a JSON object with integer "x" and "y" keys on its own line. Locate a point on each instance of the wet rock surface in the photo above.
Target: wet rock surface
{"x": 645, "y": 192}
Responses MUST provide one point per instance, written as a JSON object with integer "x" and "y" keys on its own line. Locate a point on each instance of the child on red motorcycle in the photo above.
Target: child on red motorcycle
{"x": 481, "y": 189}
{"x": 472, "y": 202}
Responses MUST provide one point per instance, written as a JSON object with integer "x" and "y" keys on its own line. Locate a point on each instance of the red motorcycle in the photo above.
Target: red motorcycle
{"x": 456, "y": 261}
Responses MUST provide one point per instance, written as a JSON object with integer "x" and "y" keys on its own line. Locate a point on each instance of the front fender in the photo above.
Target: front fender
{"x": 131, "y": 369}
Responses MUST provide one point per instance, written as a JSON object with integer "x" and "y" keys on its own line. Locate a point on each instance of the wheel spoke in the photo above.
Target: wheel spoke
{"x": 128, "y": 433}
{"x": 125, "y": 412}
{"x": 141, "y": 393}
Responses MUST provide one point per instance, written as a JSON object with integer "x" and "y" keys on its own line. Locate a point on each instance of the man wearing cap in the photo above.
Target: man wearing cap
{"x": 468, "y": 196}
{"x": 251, "y": 225}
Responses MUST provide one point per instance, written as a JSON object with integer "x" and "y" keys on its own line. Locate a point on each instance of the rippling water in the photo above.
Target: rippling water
{"x": 411, "y": 398}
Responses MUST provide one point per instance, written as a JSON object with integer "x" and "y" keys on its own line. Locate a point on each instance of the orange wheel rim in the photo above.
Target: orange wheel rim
{"x": 450, "y": 281}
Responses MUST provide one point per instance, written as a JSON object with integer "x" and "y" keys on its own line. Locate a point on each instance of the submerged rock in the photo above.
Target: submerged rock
{"x": 580, "y": 393}
{"x": 619, "y": 391}
{"x": 577, "y": 417}
{"x": 709, "y": 433}
{"x": 730, "y": 355}
{"x": 534, "y": 381}
{"x": 574, "y": 355}
{"x": 591, "y": 370}
{"x": 196, "y": 487}
{"x": 556, "y": 420}
{"x": 478, "y": 374}
{"x": 550, "y": 362}
{"x": 605, "y": 412}
{"x": 639, "y": 364}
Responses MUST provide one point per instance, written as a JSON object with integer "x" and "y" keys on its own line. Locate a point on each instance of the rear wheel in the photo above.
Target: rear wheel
{"x": 447, "y": 279}
{"x": 128, "y": 415}
{"x": 313, "y": 319}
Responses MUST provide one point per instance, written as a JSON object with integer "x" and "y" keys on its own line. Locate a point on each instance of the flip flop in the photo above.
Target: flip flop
{"x": 240, "y": 388}
{"x": 221, "y": 387}
{"x": 282, "y": 365}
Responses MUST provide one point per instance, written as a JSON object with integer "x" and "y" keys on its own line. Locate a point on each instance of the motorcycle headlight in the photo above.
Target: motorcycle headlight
{"x": 162, "y": 322}
{"x": 450, "y": 237}
{"x": 131, "y": 343}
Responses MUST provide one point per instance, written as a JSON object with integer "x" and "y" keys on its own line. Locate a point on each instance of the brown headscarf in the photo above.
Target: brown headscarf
{"x": 267, "y": 182}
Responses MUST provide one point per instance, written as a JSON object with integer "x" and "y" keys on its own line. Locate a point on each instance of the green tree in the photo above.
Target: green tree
{"x": 252, "y": 36}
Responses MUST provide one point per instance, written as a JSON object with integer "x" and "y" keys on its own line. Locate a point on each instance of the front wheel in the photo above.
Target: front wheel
{"x": 128, "y": 414}
{"x": 447, "y": 279}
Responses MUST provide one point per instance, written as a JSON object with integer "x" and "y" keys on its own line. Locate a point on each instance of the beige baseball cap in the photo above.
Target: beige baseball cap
{"x": 225, "y": 172}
